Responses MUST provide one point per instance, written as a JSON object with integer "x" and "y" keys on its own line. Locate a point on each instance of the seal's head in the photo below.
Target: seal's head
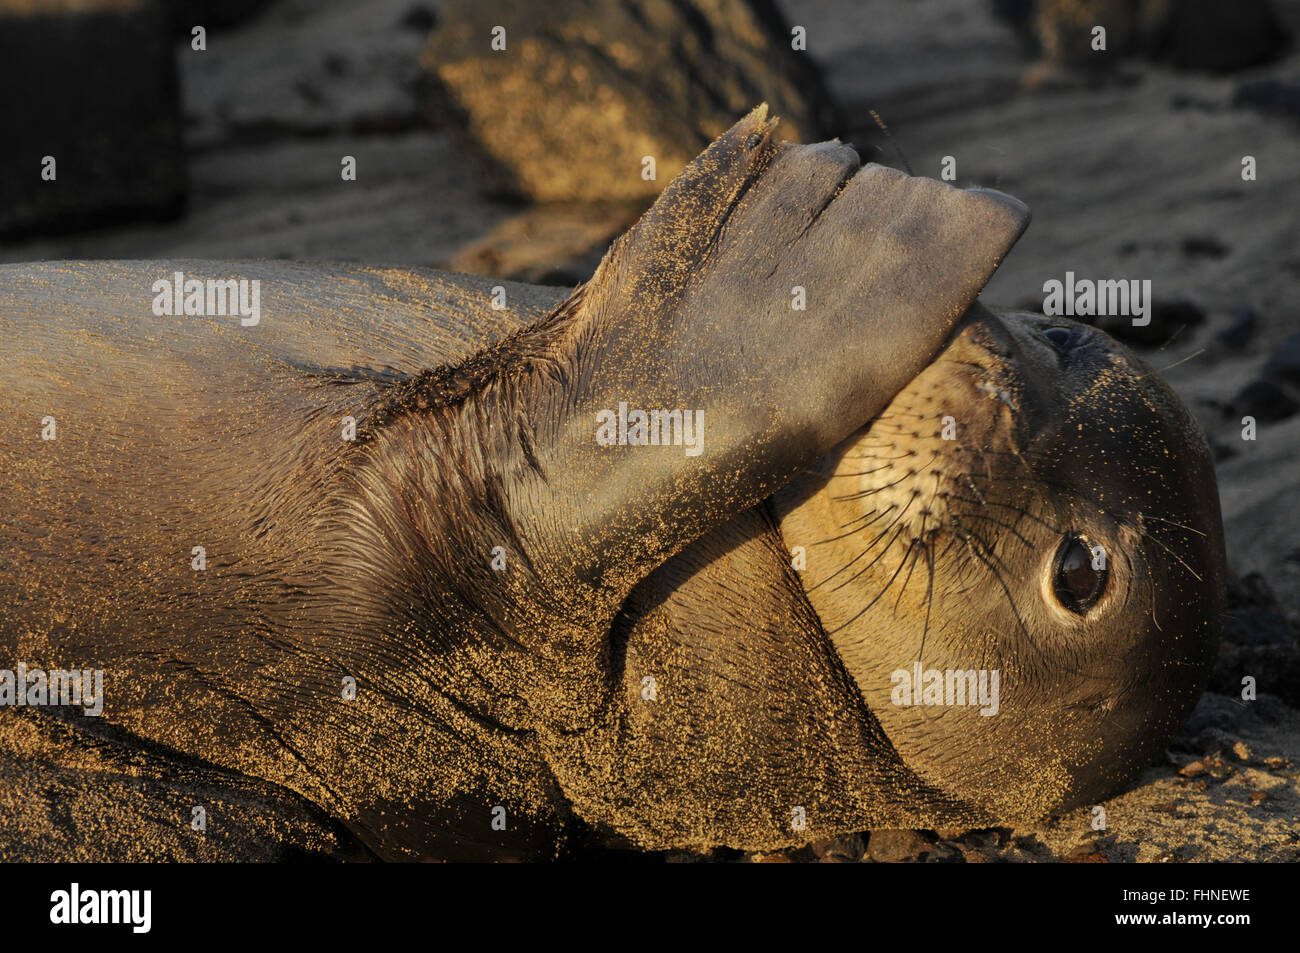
{"x": 1021, "y": 564}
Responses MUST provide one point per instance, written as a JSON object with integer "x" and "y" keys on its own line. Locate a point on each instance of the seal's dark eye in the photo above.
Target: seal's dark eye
{"x": 1058, "y": 337}
{"x": 1079, "y": 576}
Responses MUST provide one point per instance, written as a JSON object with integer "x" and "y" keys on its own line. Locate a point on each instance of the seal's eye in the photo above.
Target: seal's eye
{"x": 1079, "y": 577}
{"x": 1059, "y": 337}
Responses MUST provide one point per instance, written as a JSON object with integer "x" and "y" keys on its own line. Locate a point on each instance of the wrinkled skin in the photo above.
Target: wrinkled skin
{"x": 524, "y": 688}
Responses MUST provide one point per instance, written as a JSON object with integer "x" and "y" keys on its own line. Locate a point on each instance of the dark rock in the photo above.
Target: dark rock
{"x": 419, "y": 18}
{"x": 1199, "y": 103}
{"x": 898, "y": 846}
{"x": 553, "y": 119}
{"x": 1204, "y": 246}
{"x": 1032, "y": 846}
{"x": 1257, "y": 627}
{"x": 95, "y": 86}
{"x": 335, "y": 65}
{"x": 1019, "y": 13}
{"x": 1218, "y": 712}
{"x": 845, "y": 849}
{"x": 983, "y": 846}
{"x": 1239, "y": 331}
{"x": 1222, "y": 451}
{"x": 1273, "y": 708}
{"x": 1258, "y": 639}
{"x": 1283, "y": 365}
{"x": 1221, "y": 37}
{"x": 1064, "y": 29}
{"x": 945, "y": 853}
{"x": 1175, "y": 313}
{"x": 1187, "y": 34}
{"x": 1168, "y": 318}
{"x": 1270, "y": 96}
{"x": 1275, "y": 395}
{"x": 1088, "y": 852}
{"x": 1250, "y": 591}
{"x": 1264, "y": 400}
{"x": 212, "y": 14}
{"x": 1275, "y": 668}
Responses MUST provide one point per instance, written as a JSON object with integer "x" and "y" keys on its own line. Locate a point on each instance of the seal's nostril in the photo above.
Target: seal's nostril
{"x": 1059, "y": 337}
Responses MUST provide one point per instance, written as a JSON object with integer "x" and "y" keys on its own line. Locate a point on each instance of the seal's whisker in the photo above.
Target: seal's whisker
{"x": 890, "y": 136}
{"x": 929, "y": 597}
{"x": 1008, "y": 526}
{"x": 835, "y": 539}
{"x": 1190, "y": 529}
{"x": 873, "y": 456}
{"x": 889, "y": 421}
{"x": 911, "y": 474}
{"x": 898, "y": 532}
{"x": 1183, "y": 361}
{"x": 887, "y": 429}
{"x": 927, "y": 546}
{"x": 1029, "y": 471}
{"x": 988, "y": 559}
{"x": 1159, "y": 542}
{"x": 858, "y": 519}
{"x": 864, "y": 609}
{"x": 861, "y": 473}
{"x": 901, "y": 413}
{"x": 864, "y": 552}
{"x": 1014, "y": 509}
{"x": 1071, "y": 489}
{"x": 1083, "y": 495}
{"x": 914, "y": 550}
{"x": 1152, "y": 580}
{"x": 1172, "y": 337}
{"x": 1057, "y": 665}
{"x": 951, "y": 360}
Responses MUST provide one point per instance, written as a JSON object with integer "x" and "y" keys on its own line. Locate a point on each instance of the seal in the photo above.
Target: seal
{"x": 366, "y": 566}
{"x": 1017, "y": 568}
{"x": 1037, "y": 504}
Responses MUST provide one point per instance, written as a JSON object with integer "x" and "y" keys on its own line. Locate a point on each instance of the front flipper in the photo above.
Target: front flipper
{"x": 734, "y": 722}
{"x": 777, "y": 293}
